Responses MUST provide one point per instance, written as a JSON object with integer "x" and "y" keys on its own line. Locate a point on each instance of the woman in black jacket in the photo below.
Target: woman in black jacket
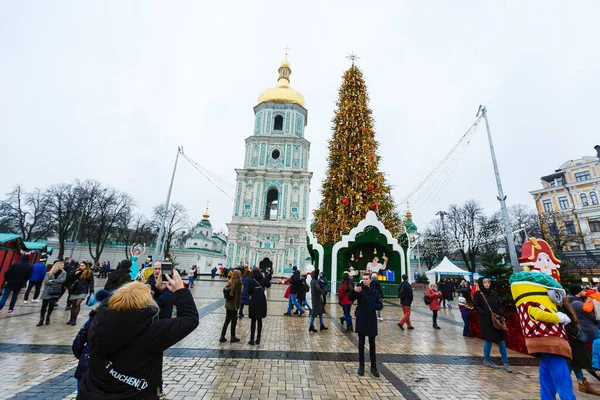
{"x": 257, "y": 310}
{"x": 484, "y": 296}
{"x": 369, "y": 301}
{"x": 80, "y": 284}
{"x": 127, "y": 341}
{"x": 119, "y": 277}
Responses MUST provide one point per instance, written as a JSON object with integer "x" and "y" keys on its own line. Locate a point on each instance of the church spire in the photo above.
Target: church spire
{"x": 285, "y": 71}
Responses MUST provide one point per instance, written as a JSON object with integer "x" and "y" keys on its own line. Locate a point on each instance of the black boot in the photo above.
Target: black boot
{"x": 48, "y": 320}
{"x": 323, "y": 328}
{"x": 41, "y": 322}
{"x": 342, "y": 320}
{"x": 374, "y": 371}
{"x": 312, "y": 329}
{"x": 257, "y": 341}
{"x": 361, "y": 369}
{"x": 436, "y": 326}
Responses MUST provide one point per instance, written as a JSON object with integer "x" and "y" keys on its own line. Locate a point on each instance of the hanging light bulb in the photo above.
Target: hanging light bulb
{"x": 375, "y": 250}
{"x": 352, "y": 257}
{"x": 360, "y": 254}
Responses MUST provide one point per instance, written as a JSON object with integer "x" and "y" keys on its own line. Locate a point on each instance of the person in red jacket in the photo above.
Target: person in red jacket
{"x": 434, "y": 305}
{"x": 345, "y": 288}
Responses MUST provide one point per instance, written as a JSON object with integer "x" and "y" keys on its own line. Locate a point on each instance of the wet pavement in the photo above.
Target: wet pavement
{"x": 290, "y": 362}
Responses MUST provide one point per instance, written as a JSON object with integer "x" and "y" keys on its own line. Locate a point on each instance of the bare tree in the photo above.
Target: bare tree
{"x": 434, "y": 244}
{"x": 135, "y": 229}
{"x": 526, "y": 221}
{"x": 66, "y": 205}
{"x": 560, "y": 231}
{"x": 105, "y": 208}
{"x": 177, "y": 221}
{"x": 471, "y": 232}
{"x": 26, "y": 214}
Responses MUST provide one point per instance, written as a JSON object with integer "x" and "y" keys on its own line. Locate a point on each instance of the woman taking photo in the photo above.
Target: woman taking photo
{"x": 232, "y": 305}
{"x": 81, "y": 283}
{"x": 486, "y": 301}
{"x": 369, "y": 301}
{"x": 257, "y": 310}
{"x": 434, "y": 302}
{"x": 127, "y": 341}
{"x": 53, "y": 282}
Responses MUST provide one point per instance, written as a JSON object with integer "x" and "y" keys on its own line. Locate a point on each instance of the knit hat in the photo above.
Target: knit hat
{"x": 461, "y": 299}
{"x": 125, "y": 264}
{"x": 575, "y": 289}
{"x": 294, "y": 268}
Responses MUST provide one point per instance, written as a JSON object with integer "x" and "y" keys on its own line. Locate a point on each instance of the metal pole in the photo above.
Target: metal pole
{"x": 508, "y": 231}
{"x": 158, "y": 249}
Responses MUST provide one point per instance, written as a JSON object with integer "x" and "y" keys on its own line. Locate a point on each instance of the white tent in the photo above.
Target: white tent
{"x": 446, "y": 267}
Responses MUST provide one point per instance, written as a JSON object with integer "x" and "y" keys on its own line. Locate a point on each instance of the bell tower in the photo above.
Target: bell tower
{"x": 268, "y": 225}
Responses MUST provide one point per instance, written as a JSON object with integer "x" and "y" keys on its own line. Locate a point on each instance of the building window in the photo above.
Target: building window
{"x": 582, "y": 176}
{"x": 597, "y": 246}
{"x": 584, "y": 200}
{"x": 291, "y": 241}
{"x": 594, "y": 198}
{"x": 570, "y": 227}
{"x": 594, "y": 225}
{"x": 275, "y": 154}
{"x": 575, "y": 248}
{"x": 271, "y": 207}
{"x": 278, "y": 125}
{"x": 564, "y": 203}
{"x": 547, "y": 205}
{"x": 556, "y": 182}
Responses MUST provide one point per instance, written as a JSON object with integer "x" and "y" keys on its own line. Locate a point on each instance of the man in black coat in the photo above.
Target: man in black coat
{"x": 16, "y": 276}
{"x": 405, "y": 294}
{"x": 369, "y": 301}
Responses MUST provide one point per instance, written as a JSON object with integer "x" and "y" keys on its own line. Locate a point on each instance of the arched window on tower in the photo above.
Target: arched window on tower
{"x": 271, "y": 206}
{"x": 594, "y": 198}
{"x": 278, "y": 125}
{"x": 584, "y": 200}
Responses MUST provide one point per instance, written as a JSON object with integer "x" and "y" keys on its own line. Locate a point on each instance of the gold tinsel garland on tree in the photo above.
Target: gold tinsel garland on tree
{"x": 353, "y": 183}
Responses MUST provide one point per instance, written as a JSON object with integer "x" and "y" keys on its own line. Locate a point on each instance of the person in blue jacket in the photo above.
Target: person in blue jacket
{"x": 39, "y": 272}
{"x": 245, "y": 297}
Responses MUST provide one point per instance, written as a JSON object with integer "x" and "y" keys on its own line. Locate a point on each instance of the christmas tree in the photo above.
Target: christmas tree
{"x": 353, "y": 184}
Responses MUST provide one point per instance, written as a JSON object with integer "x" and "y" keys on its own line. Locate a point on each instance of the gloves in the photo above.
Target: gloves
{"x": 563, "y": 318}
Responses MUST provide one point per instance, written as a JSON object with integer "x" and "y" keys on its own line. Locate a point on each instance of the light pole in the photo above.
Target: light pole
{"x": 501, "y": 197}
{"x": 158, "y": 249}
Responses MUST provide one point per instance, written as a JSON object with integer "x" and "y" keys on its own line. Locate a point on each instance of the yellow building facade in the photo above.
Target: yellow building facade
{"x": 573, "y": 190}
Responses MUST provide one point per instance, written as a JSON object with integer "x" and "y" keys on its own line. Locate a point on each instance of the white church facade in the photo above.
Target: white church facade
{"x": 271, "y": 208}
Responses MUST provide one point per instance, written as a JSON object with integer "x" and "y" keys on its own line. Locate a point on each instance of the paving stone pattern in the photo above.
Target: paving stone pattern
{"x": 290, "y": 363}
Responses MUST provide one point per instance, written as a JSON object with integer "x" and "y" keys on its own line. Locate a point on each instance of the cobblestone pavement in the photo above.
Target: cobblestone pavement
{"x": 290, "y": 363}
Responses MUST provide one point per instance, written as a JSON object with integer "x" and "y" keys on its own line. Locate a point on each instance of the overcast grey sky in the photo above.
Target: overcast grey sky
{"x": 108, "y": 89}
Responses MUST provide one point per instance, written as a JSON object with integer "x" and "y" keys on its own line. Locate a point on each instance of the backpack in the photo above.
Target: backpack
{"x": 226, "y": 293}
{"x": 426, "y": 300}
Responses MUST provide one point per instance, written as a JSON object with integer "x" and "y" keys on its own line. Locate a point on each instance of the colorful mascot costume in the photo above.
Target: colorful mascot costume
{"x": 536, "y": 255}
{"x": 536, "y": 296}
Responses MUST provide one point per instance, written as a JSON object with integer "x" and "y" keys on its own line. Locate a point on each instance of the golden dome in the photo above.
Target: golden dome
{"x": 283, "y": 93}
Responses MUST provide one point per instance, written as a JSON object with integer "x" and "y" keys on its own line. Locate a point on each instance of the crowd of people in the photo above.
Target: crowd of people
{"x": 131, "y": 322}
{"x": 120, "y": 346}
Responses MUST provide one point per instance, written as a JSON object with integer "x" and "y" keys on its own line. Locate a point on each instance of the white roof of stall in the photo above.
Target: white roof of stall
{"x": 446, "y": 267}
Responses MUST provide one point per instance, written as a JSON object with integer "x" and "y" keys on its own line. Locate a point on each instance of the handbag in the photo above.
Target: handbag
{"x": 426, "y": 300}
{"x": 54, "y": 290}
{"x": 226, "y": 293}
{"x": 497, "y": 320}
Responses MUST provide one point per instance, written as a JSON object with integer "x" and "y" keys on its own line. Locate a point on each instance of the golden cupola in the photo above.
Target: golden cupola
{"x": 283, "y": 93}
